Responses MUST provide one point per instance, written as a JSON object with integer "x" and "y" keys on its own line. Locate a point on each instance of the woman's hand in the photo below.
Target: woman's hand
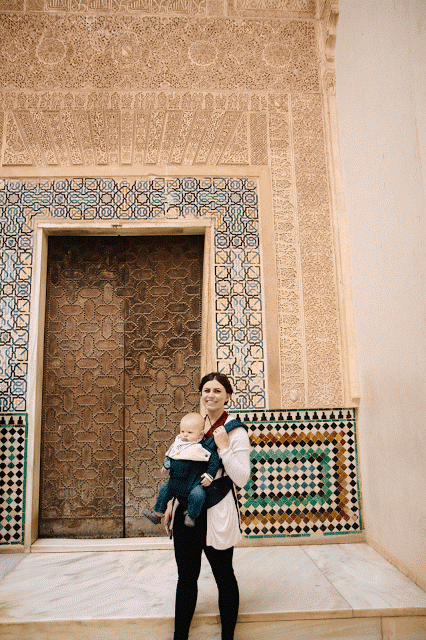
{"x": 221, "y": 438}
{"x": 168, "y": 515}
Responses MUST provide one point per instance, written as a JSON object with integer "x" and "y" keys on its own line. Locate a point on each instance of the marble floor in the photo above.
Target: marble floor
{"x": 324, "y": 592}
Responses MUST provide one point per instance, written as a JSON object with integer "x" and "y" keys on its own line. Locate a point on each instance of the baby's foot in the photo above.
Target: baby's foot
{"x": 189, "y": 522}
{"x": 151, "y": 515}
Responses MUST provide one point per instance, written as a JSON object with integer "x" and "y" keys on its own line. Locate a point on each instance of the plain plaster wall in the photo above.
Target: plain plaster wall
{"x": 381, "y": 102}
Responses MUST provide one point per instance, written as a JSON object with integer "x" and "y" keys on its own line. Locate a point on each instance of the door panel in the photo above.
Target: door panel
{"x": 163, "y": 325}
{"x": 122, "y": 361}
{"x": 82, "y": 482}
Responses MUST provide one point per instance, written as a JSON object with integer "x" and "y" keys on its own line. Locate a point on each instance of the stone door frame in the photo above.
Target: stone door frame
{"x": 43, "y": 228}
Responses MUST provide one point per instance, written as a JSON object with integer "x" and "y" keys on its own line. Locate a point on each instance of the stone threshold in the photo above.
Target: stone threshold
{"x": 310, "y": 592}
{"x": 70, "y": 545}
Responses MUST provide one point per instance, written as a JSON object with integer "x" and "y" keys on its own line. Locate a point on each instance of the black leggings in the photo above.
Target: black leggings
{"x": 189, "y": 543}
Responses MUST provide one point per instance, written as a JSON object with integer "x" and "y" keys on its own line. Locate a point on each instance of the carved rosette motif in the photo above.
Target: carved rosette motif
{"x": 62, "y": 52}
{"x": 180, "y": 88}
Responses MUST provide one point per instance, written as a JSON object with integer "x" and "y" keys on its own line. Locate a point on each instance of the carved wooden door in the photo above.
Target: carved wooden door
{"x": 121, "y": 367}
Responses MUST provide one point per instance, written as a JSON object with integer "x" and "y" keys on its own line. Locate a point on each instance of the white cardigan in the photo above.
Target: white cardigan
{"x": 223, "y": 520}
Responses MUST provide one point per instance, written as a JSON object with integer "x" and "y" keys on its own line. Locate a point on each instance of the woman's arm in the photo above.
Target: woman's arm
{"x": 236, "y": 457}
{"x": 168, "y": 515}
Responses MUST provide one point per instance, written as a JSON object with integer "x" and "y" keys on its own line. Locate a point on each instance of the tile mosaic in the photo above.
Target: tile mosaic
{"x": 304, "y": 475}
{"x": 13, "y": 443}
{"x": 303, "y": 482}
{"x": 232, "y": 202}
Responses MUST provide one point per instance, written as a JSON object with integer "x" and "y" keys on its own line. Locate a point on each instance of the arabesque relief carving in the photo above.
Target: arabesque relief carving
{"x": 158, "y": 136}
{"x": 107, "y": 90}
{"x": 242, "y": 8}
{"x": 70, "y": 52}
{"x": 316, "y": 249}
{"x": 293, "y": 383}
{"x": 129, "y": 7}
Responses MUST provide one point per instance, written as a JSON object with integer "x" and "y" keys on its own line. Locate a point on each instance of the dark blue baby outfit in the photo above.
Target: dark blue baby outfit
{"x": 185, "y": 481}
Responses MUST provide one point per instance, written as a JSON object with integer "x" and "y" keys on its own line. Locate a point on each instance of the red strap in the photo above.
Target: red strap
{"x": 219, "y": 423}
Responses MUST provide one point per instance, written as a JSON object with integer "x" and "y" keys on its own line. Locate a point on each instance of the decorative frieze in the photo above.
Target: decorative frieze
{"x": 127, "y": 137}
{"x": 199, "y": 8}
{"x": 105, "y": 7}
{"x": 272, "y": 8}
{"x": 290, "y": 306}
{"x": 48, "y": 53}
{"x": 15, "y": 100}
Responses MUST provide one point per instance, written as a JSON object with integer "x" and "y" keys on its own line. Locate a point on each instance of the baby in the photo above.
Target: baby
{"x": 192, "y": 466}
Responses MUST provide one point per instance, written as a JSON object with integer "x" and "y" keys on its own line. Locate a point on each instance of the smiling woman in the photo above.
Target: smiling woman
{"x": 217, "y": 530}
{"x": 216, "y": 391}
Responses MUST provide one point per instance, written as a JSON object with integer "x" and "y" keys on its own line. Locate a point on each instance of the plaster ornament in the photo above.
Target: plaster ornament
{"x": 51, "y": 50}
{"x": 127, "y": 50}
{"x": 203, "y": 53}
{"x": 277, "y": 55}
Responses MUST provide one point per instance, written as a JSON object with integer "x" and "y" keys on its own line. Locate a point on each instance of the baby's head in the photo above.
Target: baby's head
{"x": 191, "y": 427}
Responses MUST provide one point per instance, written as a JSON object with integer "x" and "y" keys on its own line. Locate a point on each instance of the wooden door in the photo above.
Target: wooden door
{"x": 121, "y": 366}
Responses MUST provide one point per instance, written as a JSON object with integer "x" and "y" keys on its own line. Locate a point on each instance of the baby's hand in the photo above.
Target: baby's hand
{"x": 163, "y": 471}
{"x": 205, "y": 482}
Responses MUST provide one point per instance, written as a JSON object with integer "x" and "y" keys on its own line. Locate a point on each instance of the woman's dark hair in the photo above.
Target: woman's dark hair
{"x": 220, "y": 377}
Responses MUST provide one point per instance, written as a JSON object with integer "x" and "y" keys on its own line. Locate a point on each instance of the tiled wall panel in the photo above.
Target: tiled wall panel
{"x": 13, "y": 451}
{"x": 304, "y": 478}
{"x": 233, "y": 203}
{"x": 304, "y": 474}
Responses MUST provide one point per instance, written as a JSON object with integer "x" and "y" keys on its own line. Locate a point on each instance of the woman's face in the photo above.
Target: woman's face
{"x": 214, "y": 396}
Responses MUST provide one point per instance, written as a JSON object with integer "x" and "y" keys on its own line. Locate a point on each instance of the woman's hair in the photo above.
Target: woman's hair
{"x": 220, "y": 377}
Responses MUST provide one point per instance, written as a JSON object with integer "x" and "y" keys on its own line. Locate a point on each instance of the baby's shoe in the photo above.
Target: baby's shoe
{"x": 189, "y": 522}
{"x": 152, "y": 516}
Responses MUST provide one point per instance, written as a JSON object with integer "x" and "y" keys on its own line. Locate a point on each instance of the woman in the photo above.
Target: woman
{"x": 217, "y": 530}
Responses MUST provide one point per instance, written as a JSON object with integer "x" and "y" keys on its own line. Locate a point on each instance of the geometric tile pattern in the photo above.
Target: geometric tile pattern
{"x": 231, "y": 202}
{"x": 304, "y": 477}
{"x": 13, "y": 443}
{"x": 15, "y": 292}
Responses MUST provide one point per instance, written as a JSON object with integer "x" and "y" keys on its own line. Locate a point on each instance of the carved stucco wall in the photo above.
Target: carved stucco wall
{"x": 106, "y": 85}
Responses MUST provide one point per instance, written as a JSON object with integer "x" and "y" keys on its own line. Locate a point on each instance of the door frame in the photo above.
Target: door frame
{"x": 47, "y": 226}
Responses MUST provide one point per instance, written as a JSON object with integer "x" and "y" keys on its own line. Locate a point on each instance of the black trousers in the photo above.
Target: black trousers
{"x": 189, "y": 543}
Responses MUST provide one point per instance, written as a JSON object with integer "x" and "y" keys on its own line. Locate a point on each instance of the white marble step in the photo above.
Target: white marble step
{"x": 309, "y": 592}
